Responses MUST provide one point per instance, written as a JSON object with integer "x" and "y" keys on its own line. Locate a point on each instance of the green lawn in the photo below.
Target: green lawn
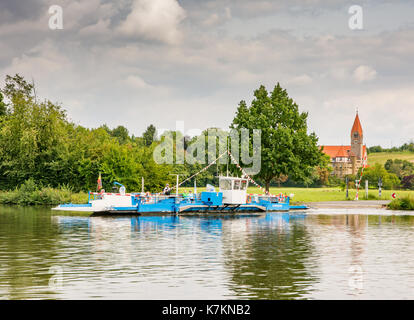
{"x": 323, "y": 194}
{"x": 330, "y": 194}
{"x": 382, "y": 157}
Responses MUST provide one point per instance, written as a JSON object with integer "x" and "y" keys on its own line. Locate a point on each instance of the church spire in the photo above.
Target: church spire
{"x": 357, "y": 125}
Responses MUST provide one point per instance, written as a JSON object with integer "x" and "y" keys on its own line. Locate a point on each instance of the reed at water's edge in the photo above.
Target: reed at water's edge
{"x": 403, "y": 203}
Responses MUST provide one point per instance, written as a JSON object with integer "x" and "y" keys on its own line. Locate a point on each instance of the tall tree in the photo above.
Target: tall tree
{"x": 149, "y": 135}
{"x": 121, "y": 133}
{"x": 3, "y": 106}
{"x": 286, "y": 147}
{"x": 17, "y": 86}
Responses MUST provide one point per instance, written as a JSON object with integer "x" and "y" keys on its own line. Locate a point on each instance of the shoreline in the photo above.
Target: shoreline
{"x": 348, "y": 204}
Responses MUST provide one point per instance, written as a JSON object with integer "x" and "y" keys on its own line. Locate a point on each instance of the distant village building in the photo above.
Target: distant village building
{"x": 347, "y": 160}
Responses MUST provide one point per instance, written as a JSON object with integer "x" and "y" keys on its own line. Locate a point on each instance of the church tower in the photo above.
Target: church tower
{"x": 357, "y": 139}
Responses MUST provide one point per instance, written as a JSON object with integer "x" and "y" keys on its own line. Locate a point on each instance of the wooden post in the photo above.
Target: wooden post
{"x": 347, "y": 187}
{"x": 379, "y": 186}
{"x": 357, "y": 182}
{"x": 142, "y": 185}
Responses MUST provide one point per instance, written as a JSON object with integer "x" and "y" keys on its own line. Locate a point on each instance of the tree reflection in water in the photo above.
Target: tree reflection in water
{"x": 270, "y": 259}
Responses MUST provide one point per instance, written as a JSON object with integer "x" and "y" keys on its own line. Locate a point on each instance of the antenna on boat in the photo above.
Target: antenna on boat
{"x": 227, "y": 156}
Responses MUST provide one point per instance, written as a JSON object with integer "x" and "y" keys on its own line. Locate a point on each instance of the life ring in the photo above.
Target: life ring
{"x": 249, "y": 199}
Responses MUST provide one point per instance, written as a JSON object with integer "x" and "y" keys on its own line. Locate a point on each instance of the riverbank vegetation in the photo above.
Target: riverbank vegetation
{"x": 403, "y": 203}
{"x": 31, "y": 194}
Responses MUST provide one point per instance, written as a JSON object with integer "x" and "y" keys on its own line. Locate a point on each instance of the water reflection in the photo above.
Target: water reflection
{"x": 26, "y": 242}
{"x": 270, "y": 260}
{"x": 270, "y": 256}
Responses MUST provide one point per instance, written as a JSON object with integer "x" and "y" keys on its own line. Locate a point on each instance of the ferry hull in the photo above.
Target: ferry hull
{"x": 138, "y": 204}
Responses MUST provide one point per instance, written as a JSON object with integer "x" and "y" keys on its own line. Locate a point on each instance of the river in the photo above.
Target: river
{"x": 320, "y": 254}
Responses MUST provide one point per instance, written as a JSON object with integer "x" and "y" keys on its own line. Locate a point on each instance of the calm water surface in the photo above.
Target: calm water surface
{"x": 319, "y": 255}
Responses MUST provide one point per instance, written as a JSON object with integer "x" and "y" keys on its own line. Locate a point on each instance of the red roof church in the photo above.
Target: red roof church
{"x": 346, "y": 160}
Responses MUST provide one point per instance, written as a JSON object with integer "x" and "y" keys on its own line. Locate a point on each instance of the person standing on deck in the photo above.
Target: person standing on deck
{"x": 167, "y": 190}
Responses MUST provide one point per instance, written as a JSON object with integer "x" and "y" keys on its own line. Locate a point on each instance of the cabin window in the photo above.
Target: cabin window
{"x": 243, "y": 185}
{"x": 225, "y": 184}
{"x": 236, "y": 184}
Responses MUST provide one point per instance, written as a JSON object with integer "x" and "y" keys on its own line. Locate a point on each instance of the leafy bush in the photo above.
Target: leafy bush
{"x": 31, "y": 194}
{"x": 407, "y": 182}
{"x": 404, "y": 203}
{"x": 372, "y": 174}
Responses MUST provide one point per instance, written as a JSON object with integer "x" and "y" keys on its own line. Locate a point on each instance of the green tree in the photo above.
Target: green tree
{"x": 400, "y": 168}
{"x": 121, "y": 133}
{"x": 3, "y": 106}
{"x": 17, "y": 86}
{"x": 286, "y": 146}
{"x": 38, "y": 142}
{"x": 372, "y": 174}
{"x": 149, "y": 135}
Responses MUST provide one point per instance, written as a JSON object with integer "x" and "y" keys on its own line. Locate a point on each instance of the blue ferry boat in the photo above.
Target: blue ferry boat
{"x": 231, "y": 197}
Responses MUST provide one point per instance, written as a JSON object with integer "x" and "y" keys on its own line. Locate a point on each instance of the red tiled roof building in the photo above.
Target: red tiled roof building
{"x": 347, "y": 160}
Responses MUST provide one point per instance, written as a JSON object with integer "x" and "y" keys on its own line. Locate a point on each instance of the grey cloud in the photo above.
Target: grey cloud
{"x": 16, "y": 10}
{"x": 101, "y": 75}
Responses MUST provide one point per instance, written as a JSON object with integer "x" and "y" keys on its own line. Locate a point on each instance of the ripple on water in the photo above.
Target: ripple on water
{"x": 275, "y": 256}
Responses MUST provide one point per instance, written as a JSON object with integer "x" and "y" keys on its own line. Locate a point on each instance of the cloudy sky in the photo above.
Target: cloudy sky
{"x": 137, "y": 62}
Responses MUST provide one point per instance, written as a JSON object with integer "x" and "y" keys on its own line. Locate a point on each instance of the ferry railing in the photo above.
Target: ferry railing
{"x": 270, "y": 198}
{"x": 153, "y": 198}
{"x": 156, "y": 198}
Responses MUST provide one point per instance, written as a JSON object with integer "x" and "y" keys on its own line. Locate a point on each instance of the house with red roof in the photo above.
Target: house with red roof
{"x": 346, "y": 160}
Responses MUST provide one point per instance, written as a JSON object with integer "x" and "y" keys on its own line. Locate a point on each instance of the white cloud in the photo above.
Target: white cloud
{"x": 101, "y": 28}
{"x": 300, "y": 80}
{"x": 211, "y": 20}
{"x": 154, "y": 20}
{"x": 137, "y": 82}
{"x": 40, "y": 62}
{"x": 364, "y": 73}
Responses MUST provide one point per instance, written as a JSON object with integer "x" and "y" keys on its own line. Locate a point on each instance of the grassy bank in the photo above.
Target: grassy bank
{"x": 382, "y": 157}
{"x": 324, "y": 194}
{"x": 403, "y": 203}
{"x": 30, "y": 194}
{"x": 332, "y": 194}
